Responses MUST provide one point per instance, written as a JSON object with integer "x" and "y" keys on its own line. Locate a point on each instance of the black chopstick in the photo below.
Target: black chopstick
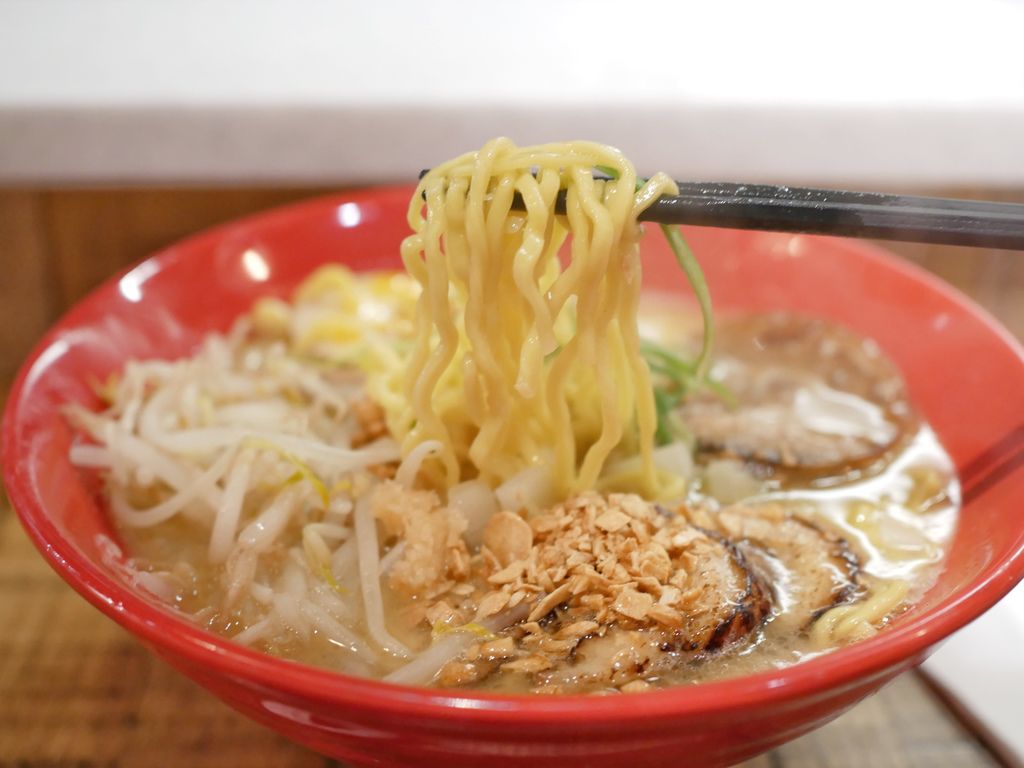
{"x": 849, "y": 214}
{"x": 945, "y": 221}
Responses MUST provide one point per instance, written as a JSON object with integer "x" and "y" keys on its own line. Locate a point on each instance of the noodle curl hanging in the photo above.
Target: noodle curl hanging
{"x": 521, "y": 359}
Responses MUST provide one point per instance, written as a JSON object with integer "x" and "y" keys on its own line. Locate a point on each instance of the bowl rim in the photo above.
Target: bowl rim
{"x": 896, "y": 648}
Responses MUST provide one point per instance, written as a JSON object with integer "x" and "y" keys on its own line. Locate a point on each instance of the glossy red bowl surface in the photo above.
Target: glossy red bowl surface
{"x": 965, "y": 374}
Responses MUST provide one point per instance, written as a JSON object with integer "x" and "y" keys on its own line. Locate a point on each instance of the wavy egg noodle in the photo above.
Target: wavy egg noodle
{"x": 856, "y": 621}
{"x": 517, "y": 356}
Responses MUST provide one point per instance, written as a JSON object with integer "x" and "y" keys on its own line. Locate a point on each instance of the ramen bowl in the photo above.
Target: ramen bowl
{"x": 965, "y": 374}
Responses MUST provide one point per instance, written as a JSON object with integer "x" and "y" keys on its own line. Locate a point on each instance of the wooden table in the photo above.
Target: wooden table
{"x": 76, "y": 691}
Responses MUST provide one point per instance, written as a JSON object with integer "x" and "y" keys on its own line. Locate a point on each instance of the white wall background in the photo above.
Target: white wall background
{"x": 877, "y": 91}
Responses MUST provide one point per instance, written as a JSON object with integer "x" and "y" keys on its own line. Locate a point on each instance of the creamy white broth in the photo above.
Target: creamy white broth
{"x": 905, "y": 493}
{"x": 935, "y": 525}
{"x": 898, "y": 514}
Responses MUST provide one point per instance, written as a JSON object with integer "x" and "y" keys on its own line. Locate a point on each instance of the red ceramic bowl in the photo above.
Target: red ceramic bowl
{"x": 964, "y": 372}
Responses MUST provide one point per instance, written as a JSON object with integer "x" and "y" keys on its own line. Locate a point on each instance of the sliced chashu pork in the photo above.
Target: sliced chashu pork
{"x": 811, "y": 568}
{"x": 619, "y": 590}
{"x": 725, "y": 603}
{"x": 683, "y": 585}
{"x": 806, "y": 394}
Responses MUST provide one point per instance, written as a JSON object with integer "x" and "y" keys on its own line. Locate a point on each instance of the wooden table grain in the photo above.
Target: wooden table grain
{"x": 76, "y": 691}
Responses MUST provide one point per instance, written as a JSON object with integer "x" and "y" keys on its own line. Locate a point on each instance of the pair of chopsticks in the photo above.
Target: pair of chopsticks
{"x": 849, "y": 214}
{"x": 830, "y": 212}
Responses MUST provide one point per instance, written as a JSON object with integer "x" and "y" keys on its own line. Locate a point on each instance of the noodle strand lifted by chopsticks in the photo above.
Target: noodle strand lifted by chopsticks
{"x": 517, "y": 357}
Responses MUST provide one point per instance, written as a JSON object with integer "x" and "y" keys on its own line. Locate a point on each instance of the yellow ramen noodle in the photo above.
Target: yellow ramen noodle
{"x": 517, "y": 356}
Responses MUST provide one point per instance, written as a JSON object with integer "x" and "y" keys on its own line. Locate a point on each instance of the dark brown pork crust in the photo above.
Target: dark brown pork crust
{"x": 753, "y": 607}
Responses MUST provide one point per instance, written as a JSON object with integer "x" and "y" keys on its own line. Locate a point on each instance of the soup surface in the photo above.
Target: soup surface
{"x": 801, "y": 504}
